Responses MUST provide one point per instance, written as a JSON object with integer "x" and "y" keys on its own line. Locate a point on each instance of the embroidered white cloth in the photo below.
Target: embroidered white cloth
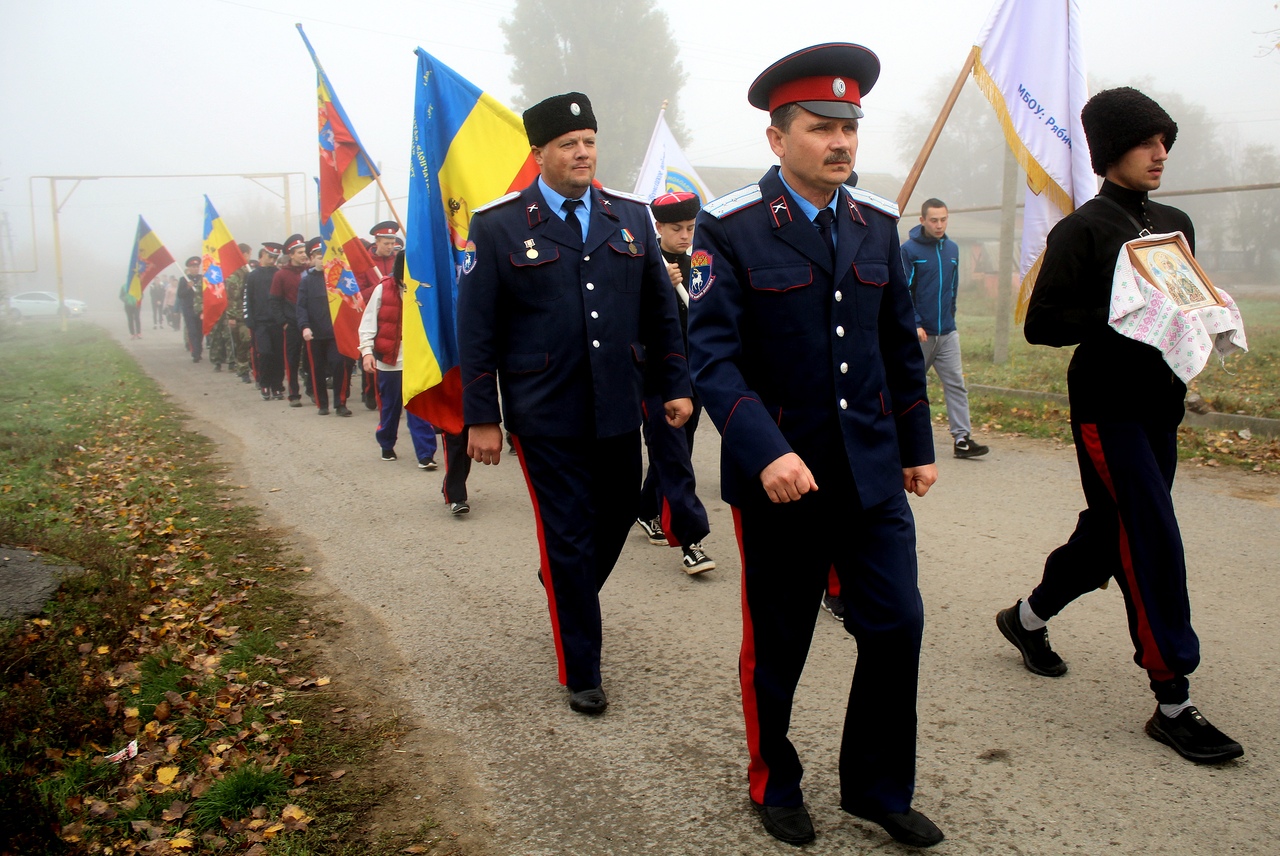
{"x": 1144, "y": 313}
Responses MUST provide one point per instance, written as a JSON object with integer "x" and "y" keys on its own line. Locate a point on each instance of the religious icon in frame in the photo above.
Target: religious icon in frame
{"x": 1167, "y": 263}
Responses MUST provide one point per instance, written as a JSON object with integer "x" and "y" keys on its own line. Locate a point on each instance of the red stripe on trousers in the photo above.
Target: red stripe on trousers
{"x": 757, "y": 769}
{"x": 311, "y": 360}
{"x": 545, "y": 564}
{"x": 1152, "y": 661}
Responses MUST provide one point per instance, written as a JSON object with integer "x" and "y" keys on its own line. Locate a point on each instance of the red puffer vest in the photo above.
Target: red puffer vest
{"x": 386, "y": 342}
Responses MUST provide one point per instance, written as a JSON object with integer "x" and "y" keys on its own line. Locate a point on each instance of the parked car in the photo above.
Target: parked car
{"x": 35, "y": 304}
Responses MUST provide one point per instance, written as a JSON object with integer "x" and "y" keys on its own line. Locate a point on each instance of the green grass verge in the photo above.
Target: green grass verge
{"x": 163, "y": 639}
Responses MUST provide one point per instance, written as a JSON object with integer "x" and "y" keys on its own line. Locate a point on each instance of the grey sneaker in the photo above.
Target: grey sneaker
{"x": 967, "y": 447}
{"x": 653, "y": 531}
{"x": 695, "y": 561}
{"x": 1037, "y": 656}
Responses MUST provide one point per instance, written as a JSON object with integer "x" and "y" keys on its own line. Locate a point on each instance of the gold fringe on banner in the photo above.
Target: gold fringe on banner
{"x": 1037, "y": 179}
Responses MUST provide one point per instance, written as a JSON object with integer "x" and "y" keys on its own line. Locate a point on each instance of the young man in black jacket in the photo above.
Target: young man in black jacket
{"x": 320, "y": 350}
{"x": 1126, "y": 404}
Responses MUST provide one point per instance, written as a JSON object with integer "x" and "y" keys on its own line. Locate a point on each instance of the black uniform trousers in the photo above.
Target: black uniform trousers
{"x": 1129, "y": 532}
{"x": 457, "y": 465}
{"x": 787, "y": 551}
{"x": 584, "y": 502}
{"x": 326, "y": 361}
{"x": 292, "y": 352}
{"x": 670, "y": 487}
{"x": 268, "y": 355}
{"x": 194, "y": 330}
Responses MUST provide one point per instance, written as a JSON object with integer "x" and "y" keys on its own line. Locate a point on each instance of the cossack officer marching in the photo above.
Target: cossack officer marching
{"x": 562, "y": 302}
{"x": 804, "y": 351}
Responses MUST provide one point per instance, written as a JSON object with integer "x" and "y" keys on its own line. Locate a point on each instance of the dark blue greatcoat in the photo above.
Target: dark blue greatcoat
{"x": 785, "y": 361}
{"x": 565, "y": 329}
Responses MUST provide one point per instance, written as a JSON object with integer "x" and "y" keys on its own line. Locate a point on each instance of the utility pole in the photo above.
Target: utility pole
{"x": 1004, "y": 286}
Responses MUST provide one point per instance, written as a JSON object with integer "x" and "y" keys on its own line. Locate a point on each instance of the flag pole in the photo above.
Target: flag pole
{"x": 387, "y": 196}
{"x": 909, "y": 186}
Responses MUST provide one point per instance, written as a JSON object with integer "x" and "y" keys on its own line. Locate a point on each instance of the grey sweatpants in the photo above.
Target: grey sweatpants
{"x": 943, "y": 354}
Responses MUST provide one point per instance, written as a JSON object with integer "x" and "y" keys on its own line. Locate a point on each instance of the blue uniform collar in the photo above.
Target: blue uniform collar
{"x": 556, "y": 200}
{"x": 809, "y": 210}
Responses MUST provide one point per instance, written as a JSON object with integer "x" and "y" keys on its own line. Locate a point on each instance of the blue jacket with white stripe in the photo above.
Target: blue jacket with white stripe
{"x": 933, "y": 276}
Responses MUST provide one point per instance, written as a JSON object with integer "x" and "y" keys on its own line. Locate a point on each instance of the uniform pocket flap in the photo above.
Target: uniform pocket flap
{"x": 543, "y": 256}
{"x": 634, "y": 249}
{"x": 872, "y": 273}
{"x": 780, "y": 277}
{"x": 638, "y": 352}
{"x": 525, "y": 363}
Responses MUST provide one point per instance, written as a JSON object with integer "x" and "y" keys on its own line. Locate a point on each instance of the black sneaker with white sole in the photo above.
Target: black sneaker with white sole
{"x": 695, "y": 561}
{"x": 459, "y": 507}
{"x": 833, "y": 605}
{"x": 427, "y": 464}
{"x": 967, "y": 447}
{"x": 389, "y": 455}
{"x": 653, "y": 531}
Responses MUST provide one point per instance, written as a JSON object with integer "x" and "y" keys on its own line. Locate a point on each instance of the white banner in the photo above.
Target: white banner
{"x": 1030, "y": 65}
{"x": 665, "y": 168}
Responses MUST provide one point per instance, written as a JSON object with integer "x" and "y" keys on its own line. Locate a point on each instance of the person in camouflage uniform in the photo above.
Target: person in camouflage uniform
{"x": 240, "y": 334}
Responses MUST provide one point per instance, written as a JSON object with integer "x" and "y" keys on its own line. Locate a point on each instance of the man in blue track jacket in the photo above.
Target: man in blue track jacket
{"x": 932, "y": 262}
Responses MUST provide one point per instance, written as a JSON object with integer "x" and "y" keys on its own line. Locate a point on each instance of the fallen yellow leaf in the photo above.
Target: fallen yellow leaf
{"x": 166, "y": 775}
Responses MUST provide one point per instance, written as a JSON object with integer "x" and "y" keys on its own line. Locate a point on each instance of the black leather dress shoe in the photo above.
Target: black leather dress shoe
{"x": 910, "y": 827}
{"x": 789, "y": 823}
{"x": 590, "y": 701}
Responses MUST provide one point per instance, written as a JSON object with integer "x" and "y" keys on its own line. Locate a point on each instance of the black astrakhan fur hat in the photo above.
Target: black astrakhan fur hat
{"x": 1116, "y": 120}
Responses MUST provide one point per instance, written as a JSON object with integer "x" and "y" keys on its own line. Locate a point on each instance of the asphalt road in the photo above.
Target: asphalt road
{"x": 456, "y": 625}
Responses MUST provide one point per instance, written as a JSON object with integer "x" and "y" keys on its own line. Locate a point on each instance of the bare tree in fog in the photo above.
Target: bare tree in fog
{"x": 621, "y": 53}
{"x": 967, "y": 164}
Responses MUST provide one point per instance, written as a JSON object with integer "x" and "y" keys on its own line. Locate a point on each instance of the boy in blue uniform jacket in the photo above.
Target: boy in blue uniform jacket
{"x": 562, "y": 302}
{"x": 804, "y": 352}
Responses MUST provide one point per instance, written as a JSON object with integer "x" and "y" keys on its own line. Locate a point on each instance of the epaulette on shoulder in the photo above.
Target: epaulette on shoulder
{"x": 622, "y": 194}
{"x": 501, "y": 200}
{"x": 735, "y": 201}
{"x": 872, "y": 200}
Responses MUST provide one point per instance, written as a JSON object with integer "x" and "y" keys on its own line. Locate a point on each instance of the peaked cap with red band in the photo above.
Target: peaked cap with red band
{"x": 828, "y": 80}
{"x": 294, "y": 241}
{"x": 386, "y": 228}
{"x": 675, "y": 207}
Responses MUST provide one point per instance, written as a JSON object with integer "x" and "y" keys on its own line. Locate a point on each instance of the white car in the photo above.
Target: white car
{"x": 35, "y": 304}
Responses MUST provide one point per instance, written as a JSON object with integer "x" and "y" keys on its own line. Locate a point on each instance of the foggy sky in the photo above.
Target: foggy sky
{"x": 219, "y": 86}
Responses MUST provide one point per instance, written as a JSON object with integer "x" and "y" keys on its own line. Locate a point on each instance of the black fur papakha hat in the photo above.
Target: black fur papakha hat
{"x": 1116, "y": 120}
{"x": 557, "y": 115}
{"x": 675, "y": 207}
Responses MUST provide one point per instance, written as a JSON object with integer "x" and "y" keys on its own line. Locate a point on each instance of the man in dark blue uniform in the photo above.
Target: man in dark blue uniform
{"x": 804, "y": 352}
{"x": 563, "y": 301}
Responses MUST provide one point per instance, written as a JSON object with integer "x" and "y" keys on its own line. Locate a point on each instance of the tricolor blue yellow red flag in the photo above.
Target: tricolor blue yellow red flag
{"x": 345, "y": 165}
{"x": 345, "y": 261}
{"x": 468, "y": 149}
{"x": 219, "y": 259}
{"x": 149, "y": 258}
